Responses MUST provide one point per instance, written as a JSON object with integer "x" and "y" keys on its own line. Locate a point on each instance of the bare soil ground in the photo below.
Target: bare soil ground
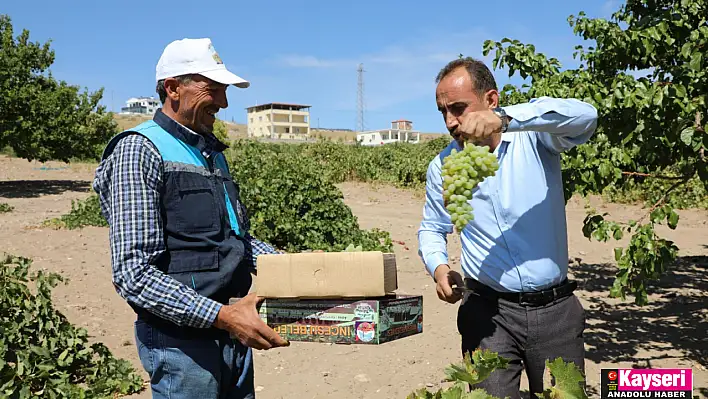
{"x": 671, "y": 332}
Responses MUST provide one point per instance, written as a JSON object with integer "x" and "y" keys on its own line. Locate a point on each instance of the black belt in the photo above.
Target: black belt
{"x": 537, "y": 298}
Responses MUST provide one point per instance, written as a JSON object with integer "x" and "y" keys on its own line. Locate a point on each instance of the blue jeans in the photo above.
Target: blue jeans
{"x": 188, "y": 367}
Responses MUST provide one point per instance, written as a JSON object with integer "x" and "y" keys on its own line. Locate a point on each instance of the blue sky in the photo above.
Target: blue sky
{"x": 304, "y": 52}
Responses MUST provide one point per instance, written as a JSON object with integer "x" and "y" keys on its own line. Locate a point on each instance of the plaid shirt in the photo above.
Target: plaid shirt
{"x": 128, "y": 184}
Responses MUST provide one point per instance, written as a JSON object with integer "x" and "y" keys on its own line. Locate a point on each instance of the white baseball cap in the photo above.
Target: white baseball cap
{"x": 195, "y": 56}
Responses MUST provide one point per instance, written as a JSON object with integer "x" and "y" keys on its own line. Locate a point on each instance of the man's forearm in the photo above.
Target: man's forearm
{"x": 566, "y": 117}
{"x": 432, "y": 249}
{"x": 436, "y": 224}
{"x": 148, "y": 288}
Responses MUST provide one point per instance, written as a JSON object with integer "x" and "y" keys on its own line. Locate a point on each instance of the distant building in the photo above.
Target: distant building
{"x": 279, "y": 121}
{"x": 141, "y": 105}
{"x": 401, "y": 131}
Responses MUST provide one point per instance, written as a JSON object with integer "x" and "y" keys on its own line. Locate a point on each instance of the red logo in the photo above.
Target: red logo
{"x": 612, "y": 375}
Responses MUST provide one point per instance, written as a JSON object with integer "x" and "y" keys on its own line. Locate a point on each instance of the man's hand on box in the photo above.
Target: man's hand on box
{"x": 241, "y": 320}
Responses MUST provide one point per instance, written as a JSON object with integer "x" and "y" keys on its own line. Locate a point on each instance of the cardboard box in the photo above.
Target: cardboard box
{"x": 327, "y": 275}
{"x": 355, "y": 321}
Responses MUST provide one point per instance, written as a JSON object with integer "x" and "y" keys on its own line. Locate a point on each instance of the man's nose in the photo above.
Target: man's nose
{"x": 451, "y": 122}
{"x": 221, "y": 100}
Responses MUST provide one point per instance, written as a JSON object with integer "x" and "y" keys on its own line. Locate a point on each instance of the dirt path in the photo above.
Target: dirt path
{"x": 669, "y": 333}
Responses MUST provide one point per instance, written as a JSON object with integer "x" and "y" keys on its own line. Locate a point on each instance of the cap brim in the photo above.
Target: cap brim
{"x": 225, "y": 77}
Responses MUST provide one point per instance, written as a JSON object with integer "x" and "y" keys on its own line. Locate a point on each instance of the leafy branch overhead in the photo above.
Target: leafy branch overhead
{"x": 647, "y": 76}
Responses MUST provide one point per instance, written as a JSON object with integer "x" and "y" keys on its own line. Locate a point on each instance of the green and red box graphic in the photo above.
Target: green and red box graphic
{"x": 345, "y": 321}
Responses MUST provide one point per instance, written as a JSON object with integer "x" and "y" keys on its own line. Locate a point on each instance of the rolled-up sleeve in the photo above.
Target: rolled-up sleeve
{"x": 561, "y": 124}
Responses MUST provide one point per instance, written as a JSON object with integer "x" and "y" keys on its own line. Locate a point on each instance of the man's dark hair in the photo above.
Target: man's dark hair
{"x": 482, "y": 78}
{"x": 160, "y": 87}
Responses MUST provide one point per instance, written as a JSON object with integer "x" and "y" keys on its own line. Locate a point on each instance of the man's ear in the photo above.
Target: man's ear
{"x": 491, "y": 98}
{"x": 172, "y": 89}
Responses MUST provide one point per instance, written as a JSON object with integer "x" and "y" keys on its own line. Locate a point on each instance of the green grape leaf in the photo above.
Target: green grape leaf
{"x": 476, "y": 368}
{"x": 687, "y": 135}
{"x": 479, "y": 394}
{"x": 569, "y": 381}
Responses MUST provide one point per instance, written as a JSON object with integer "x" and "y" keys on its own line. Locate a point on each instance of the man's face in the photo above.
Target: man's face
{"x": 455, "y": 97}
{"x": 199, "y": 101}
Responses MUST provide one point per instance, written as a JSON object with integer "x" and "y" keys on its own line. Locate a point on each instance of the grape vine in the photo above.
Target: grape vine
{"x": 569, "y": 382}
{"x": 41, "y": 353}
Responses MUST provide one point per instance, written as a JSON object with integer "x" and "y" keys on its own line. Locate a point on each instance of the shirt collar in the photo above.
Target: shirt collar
{"x": 204, "y": 143}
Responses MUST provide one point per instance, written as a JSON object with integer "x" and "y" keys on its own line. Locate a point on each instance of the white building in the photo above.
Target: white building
{"x": 401, "y": 131}
{"x": 141, "y": 105}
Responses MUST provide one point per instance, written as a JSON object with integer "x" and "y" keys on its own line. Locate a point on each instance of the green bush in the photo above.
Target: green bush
{"x": 41, "y": 353}
{"x": 221, "y": 131}
{"x": 293, "y": 205}
{"x": 83, "y": 213}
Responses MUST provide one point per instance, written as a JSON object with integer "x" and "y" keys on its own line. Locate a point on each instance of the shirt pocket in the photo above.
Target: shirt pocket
{"x": 190, "y": 260}
{"x": 195, "y": 204}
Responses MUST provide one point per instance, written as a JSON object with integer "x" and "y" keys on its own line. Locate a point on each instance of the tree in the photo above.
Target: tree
{"x": 42, "y": 118}
{"x": 647, "y": 76}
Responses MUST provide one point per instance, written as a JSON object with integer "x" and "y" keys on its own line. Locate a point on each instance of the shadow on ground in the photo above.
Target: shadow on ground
{"x": 36, "y": 188}
{"x": 677, "y": 319}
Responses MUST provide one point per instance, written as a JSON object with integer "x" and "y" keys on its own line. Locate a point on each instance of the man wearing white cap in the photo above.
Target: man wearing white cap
{"x": 180, "y": 246}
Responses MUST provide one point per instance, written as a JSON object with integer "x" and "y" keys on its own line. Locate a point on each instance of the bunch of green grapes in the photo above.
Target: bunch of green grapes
{"x": 462, "y": 171}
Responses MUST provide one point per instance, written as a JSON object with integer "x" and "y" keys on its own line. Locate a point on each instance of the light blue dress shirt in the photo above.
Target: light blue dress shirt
{"x": 517, "y": 240}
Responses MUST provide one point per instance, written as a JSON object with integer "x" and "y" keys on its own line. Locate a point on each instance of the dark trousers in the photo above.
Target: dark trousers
{"x": 526, "y": 335}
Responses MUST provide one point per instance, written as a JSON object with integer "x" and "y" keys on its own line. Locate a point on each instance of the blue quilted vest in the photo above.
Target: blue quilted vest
{"x": 201, "y": 212}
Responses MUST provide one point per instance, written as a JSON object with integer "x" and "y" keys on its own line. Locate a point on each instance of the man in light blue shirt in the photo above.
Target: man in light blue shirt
{"x": 514, "y": 251}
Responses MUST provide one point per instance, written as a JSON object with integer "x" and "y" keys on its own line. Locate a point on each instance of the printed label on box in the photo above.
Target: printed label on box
{"x": 365, "y": 331}
{"x": 369, "y": 321}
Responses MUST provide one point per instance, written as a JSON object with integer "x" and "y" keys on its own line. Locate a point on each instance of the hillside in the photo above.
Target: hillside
{"x": 239, "y": 130}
